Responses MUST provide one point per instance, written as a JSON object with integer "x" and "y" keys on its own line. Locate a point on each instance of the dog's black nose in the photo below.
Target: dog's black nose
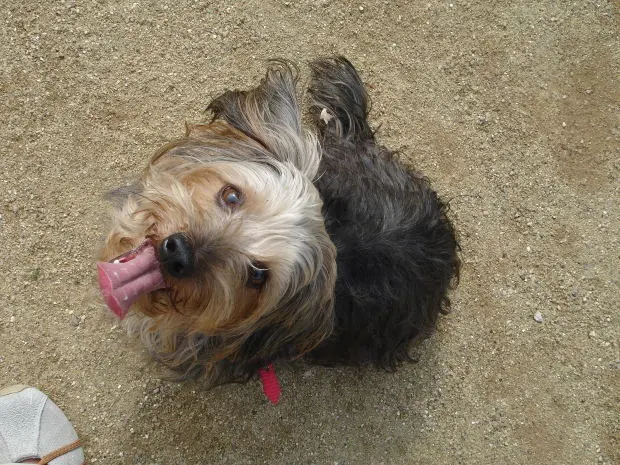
{"x": 176, "y": 256}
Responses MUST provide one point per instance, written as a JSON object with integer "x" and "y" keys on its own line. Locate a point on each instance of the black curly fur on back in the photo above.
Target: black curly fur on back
{"x": 397, "y": 250}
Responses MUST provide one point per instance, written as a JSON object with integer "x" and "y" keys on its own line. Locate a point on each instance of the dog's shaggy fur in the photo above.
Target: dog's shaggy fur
{"x": 329, "y": 248}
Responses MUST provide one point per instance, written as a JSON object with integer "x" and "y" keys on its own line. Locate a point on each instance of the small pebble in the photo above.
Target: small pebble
{"x": 12, "y": 319}
{"x": 538, "y": 317}
{"x": 592, "y": 333}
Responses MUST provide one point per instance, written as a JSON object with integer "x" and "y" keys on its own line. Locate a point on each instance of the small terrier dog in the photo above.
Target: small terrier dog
{"x": 253, "y": 239}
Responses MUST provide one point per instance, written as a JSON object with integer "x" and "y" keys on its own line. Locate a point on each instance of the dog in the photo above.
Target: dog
{"x": 254, "y": 239}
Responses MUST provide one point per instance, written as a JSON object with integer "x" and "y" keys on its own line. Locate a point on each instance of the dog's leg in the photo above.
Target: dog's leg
{"x": 340, "y": 103}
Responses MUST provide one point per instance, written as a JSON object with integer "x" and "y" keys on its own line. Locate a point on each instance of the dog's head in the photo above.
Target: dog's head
{"x": 227, "y": 226}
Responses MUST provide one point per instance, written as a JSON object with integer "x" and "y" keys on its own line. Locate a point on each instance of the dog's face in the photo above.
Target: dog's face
{"x": 235, "y": 224}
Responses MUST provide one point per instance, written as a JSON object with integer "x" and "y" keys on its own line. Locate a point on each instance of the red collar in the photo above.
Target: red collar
{"x": 271, "y": 385}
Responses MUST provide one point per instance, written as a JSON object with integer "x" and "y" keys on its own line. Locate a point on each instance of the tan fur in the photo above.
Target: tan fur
{"x": 279, "y": 224}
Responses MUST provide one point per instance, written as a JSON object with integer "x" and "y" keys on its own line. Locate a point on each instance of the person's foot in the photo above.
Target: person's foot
{"x": 34, "y": 430}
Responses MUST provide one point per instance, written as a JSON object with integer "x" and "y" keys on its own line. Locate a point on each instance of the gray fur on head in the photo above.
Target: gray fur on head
{"x": 270, "y": 114}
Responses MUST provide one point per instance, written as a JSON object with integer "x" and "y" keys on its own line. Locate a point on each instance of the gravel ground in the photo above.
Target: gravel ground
{"x": 511, "y": 108}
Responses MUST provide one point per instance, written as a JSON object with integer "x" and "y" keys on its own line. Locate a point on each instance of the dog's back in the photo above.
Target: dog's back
{"x": 397, "y": 250}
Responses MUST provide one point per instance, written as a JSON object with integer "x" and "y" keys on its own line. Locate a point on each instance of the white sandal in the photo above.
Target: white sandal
{"x": 33, "y": 427}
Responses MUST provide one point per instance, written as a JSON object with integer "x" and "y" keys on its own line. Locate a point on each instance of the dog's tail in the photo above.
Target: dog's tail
{"x": 340, "y": 103}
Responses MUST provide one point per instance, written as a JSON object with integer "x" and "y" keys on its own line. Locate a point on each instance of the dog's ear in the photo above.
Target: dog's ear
{"x": 309, "y": 312}
{"x": 117, "y": 197}
{"x": 270, "y": 114}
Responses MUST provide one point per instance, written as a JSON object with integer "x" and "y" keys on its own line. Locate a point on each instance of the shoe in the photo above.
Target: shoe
{"x": 33, "y": 427}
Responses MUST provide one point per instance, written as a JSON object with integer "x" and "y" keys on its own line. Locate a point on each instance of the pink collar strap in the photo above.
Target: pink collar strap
{"x": 271, "y": 385}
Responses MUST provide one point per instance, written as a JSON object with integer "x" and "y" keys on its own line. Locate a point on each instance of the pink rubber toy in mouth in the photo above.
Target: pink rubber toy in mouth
{"x": 127, "y": 277}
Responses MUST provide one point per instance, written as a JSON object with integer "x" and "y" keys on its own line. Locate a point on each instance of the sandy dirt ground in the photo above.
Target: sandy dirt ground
{"x": 511, "y": 108}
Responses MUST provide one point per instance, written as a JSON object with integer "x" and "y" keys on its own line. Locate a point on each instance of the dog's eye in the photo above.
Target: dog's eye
{"x": 230, "y": 196}
{"x": 257, "y": 275}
